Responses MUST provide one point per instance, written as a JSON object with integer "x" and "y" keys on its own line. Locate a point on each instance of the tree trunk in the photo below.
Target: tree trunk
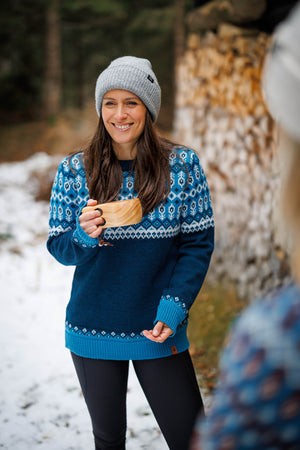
{"x": 179, "y": 34}
{"x": 79, "y": 68}
{"x": 179, "y": 37}
{"x": 52, "y": 84}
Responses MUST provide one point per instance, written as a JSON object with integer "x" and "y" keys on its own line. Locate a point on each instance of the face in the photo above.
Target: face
{"x": 124, "y": 117}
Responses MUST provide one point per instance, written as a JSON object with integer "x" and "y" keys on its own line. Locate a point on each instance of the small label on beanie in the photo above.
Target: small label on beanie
{"x": 150, "y": 78}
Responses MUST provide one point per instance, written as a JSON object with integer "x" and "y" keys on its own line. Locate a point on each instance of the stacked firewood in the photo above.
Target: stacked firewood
{"x": 224, "y": 69}
{"x": 221, "y": 114}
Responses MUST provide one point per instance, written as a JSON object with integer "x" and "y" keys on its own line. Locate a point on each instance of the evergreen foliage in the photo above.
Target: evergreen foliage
{"x": 92, "y": 33}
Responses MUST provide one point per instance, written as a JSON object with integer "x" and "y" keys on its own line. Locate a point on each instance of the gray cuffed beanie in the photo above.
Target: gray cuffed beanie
{"x": 134, "y": 75}
{"x": 281, "y": 78}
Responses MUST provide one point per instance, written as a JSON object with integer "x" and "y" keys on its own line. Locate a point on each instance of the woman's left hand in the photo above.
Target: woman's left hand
{"x": 160, "y": 332}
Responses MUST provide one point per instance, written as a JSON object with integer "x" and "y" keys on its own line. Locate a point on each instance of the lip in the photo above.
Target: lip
{"x": 122, "y": 127}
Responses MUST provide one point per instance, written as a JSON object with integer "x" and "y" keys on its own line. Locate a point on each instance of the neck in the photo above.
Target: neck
{"x": 125, "y": 151}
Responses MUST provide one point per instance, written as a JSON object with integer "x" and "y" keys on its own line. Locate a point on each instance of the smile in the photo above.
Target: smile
{"x": 122, "y": 127}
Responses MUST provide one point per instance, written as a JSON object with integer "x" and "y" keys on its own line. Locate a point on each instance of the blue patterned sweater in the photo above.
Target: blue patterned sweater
{"x": 153, "y": 271}
{"x": 256, "y": 405}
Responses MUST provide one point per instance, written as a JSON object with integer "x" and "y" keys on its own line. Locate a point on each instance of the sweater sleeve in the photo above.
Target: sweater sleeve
{"x": 196, "y": 243}
{"x": 67, "y": 241}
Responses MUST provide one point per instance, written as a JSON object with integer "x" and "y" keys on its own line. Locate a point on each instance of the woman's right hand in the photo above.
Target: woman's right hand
{"x": 91, "y": 221}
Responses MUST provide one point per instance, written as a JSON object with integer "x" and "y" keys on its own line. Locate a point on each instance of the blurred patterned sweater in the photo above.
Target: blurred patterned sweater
{"x": 257, "y": 402}
{"x": 152, "y": 272}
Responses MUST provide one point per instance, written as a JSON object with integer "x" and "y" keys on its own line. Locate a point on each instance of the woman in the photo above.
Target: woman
{"x": 257, "y": 402}
{"x": 132, "y": 293}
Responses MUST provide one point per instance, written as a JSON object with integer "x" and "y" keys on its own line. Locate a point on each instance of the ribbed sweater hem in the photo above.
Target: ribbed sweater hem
{"x": 114, "y": 348}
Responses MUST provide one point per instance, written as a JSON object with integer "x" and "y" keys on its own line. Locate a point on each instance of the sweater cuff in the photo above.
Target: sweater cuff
{"x": 81, "y": 238}
{"x": 172, "y": 311}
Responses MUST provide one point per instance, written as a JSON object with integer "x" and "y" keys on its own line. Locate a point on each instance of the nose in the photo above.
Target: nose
{"x": 121, "y": 113}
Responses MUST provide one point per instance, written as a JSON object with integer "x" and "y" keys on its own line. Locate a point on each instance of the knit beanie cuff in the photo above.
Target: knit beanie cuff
{"x": 134, "y": 75}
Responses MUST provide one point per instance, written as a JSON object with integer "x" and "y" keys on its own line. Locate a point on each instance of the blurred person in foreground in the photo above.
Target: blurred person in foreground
{"x": 257, "y": 401}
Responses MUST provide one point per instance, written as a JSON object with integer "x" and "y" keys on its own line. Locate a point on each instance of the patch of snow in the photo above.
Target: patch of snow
{"x": 41, "y": 405}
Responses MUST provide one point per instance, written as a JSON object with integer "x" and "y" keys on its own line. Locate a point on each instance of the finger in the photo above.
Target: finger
{"x": 99, "y": 221}
{"x": 90, "y": 226}
{"x": 148, "y": 335}
{"x": 158, "y": 329}
{"x": 96, "y": 233}
{"x": 90, "y": 215}
{"x": 92, "y": 202}
{"x": 167, "y": 332}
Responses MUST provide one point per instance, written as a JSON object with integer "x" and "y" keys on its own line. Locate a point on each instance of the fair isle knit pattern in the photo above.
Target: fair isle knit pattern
{"x": 256, "y": 403}
{"x": 153, "y": 271}
{"x": 165, "y": 221}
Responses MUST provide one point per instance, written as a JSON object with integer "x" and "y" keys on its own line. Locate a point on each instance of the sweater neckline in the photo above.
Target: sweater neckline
{"x": 126, "y": 164}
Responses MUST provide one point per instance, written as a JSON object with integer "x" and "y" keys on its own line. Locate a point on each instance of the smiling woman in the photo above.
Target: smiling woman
{"x": 124, "y": 116}
{"x": 131, "y": 296}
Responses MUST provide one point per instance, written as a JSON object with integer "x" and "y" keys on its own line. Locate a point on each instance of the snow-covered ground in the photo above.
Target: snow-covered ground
{"x": 41, "y": 405}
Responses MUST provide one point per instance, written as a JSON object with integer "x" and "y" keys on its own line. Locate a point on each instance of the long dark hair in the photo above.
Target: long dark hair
{"x": 151, "y": 166}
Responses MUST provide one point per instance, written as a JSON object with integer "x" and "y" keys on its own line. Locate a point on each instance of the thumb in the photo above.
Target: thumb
{"x": 92, "y": 202}
{"x": 158, "y": 329}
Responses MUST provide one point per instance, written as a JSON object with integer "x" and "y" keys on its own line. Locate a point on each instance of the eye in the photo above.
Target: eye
{"x": 132, "y": 103}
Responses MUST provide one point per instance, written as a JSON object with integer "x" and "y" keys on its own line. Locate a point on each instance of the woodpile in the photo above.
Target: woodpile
{"x": 221, "y": 114}
{"x": 224, "y": 70}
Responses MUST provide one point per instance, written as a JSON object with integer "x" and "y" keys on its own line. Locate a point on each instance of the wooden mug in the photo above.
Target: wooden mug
{"x": 119, "y": 213}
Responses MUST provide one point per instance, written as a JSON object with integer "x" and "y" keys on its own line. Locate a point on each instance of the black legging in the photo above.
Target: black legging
{"x": 170, "y": 387}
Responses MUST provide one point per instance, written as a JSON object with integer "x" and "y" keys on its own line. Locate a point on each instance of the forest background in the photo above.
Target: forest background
{"x": 52, "y": 52}
{"x": 50, "y": 57}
